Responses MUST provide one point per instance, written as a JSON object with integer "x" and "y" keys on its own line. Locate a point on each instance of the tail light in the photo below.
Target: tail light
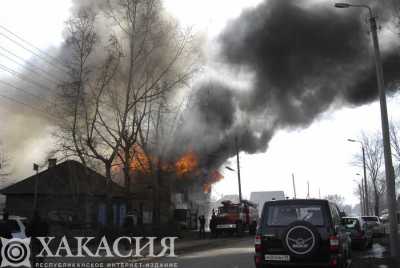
{"x": 333, "y": 262}
{"x": 258, "y": 259}
{"x": 257, "y": 243}
{"x": 333, "y": 243}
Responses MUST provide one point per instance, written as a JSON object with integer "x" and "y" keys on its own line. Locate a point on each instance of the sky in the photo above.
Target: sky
{"x": 318, "y": 154}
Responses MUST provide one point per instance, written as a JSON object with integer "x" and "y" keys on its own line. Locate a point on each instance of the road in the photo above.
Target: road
{"x": 238, "y": 254}
{"x": 231, "y": 253}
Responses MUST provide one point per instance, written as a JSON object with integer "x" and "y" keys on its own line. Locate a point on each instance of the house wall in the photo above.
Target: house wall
{"x": 87, "y": 210}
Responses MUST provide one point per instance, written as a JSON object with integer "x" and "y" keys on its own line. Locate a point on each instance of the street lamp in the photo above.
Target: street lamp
{"x": 240, "y": 186}
{"x": 229, "y": 168}
{"x": 362, "y": 195}
{"x": 366, "y": 203}
{"x": 389, "y": 171}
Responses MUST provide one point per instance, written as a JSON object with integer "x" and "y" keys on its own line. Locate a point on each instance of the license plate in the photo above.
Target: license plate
{"x": 277, "y": 257}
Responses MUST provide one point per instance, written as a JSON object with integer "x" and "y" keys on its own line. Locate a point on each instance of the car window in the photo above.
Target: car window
{"x": 370, "y": 219}
{"x": 351, "y": 223}
{"x": 282, "y": 215}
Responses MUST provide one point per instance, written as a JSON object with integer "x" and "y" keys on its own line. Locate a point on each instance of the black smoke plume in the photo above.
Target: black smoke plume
{"x": 304, "y": 57}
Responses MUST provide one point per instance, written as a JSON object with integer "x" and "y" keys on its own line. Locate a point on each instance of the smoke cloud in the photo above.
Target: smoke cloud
{"x": 304, "y": 57}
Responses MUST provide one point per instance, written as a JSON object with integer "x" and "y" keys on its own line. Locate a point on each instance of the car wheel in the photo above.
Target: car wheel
{"x": 239, "y": 229}
{"x": 252, "y": 229}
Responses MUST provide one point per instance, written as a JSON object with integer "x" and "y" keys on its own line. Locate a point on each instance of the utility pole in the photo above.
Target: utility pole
{"x": 308, "y": 189}
{"x": 365, "y": 183}
{"x": 360, "y": 189}
{"x": 35, "y": 197}
{"x": 389, "y": 170}
{"x": 362, "y": 192}
{"x": 238, "y": 169}
{"x": 294, "y": 186}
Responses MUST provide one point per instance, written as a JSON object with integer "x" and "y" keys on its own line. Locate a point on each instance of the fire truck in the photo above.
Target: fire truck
{"x": 236, "y": 217}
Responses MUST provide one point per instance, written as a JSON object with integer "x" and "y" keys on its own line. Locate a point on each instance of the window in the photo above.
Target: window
{"x": 370, "y": 219}
{"x": 351, "y": 223}
{"x": 282, "y": 215}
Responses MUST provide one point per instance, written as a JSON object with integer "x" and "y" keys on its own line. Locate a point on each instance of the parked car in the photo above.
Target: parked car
{"x": 18, "y": 226}
{"x": 301, "y": 233}
{"x": 374, "y": 222}
{"x": 360, "y": 233}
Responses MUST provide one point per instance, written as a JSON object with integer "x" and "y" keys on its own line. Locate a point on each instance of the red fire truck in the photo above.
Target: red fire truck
{"x": 237, "y": 217}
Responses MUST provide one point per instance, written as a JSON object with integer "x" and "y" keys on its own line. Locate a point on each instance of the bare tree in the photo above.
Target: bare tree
{"x": 337, "y": 199}
{"x": 5, "y": 168}
{"x": 115, "y": 85}
{"x": 395, "y": 142}
{"x": 87, "y": 130}
{"x": 160, "y": 57}
{"x": 374, "y": 163}
{"x": 359, "y": 191}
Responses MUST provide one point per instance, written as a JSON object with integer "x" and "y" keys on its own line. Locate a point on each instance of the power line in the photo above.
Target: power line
{"x": 39, "y": 97}
{"x": 54, "y": 59}
{"x": 27, "y": 105}
{"x": 27, "y": 62}
{"x": 23, "y": 77}
{"x": 28, "y": 68}
{"x": 33, "y": 52}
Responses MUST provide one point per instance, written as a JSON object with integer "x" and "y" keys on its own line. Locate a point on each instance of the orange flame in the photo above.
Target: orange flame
{"x": 141, "y": 161}
{"x": 214, "y": 177}
{"x": 186, "y": 164}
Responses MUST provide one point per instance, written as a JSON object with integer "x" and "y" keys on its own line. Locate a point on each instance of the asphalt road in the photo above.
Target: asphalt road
{"x": 238, "y": 254}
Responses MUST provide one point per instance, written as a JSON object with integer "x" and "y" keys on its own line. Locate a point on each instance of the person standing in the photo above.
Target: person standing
{"x": 202, "y": 230}
{"x": 213, "y": 224}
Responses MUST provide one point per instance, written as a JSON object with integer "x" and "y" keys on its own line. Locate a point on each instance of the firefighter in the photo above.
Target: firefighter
{"x": 202, "y": 229}
{"x": 213, "y": 224}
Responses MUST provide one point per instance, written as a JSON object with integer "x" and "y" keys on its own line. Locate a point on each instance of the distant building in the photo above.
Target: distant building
{"x": 261, "y": 197}
{"x": 68, "y": 193}
{"x": 232, "y": 197}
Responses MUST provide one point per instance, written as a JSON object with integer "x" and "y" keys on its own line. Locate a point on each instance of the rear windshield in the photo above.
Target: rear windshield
{"x": 374, "y": 219}
{"x": 282, "y": 215}
{"x": 351, "y": 223}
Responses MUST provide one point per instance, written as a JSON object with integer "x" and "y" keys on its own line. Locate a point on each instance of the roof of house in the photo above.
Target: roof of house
{"x": 67, "y": 178}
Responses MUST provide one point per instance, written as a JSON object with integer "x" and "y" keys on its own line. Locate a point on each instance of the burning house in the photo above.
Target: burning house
{"x": 167, "y": 188}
